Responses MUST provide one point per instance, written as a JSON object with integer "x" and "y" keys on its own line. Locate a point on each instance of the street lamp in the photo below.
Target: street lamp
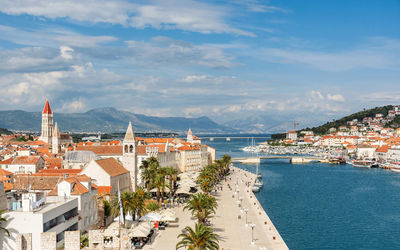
{"x": 246, "y": 211}
{"x": 252, "y": 232}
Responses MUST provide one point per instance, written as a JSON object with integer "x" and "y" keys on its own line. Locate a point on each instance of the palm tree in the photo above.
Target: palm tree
{"x": 149, "y": 168}
{"x": 201, "y": 238}
{"x": 3, "y": 220}
{"x": 138, "y": 203}
{"x": 159, "y": 182}
{"x": 171, "y": 173}
{"x": 227, "y": 159}
{"x": 127, "y": 204}
{"x": 201, "y": 206}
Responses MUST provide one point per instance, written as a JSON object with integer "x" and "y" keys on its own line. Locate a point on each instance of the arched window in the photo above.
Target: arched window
{"x": 131, "y": 149}
{"x": 126, "y": 148}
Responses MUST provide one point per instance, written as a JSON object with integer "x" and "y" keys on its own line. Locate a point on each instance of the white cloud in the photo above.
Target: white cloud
{"x": 207, "y": 78}
{"x": 187, "y": 15}
{"x": 66, "y": 52}
{"x": 316, "y": 95}
{"x": 75, "y": 105}
{"x": 337, "y": 97}
{"x": 378, "y": 53}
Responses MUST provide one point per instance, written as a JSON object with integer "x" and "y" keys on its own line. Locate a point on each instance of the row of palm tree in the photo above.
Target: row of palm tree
{"x": 155, "y": 176}
{"x": 211, "y": 174}
{"x": 202, "y": 206}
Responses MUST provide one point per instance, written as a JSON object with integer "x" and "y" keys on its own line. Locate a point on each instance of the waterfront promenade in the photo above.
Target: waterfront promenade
{"x": 230, "y": 219}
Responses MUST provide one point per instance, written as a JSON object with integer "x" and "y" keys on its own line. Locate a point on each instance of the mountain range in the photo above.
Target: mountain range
{"x": 109, "y": 120}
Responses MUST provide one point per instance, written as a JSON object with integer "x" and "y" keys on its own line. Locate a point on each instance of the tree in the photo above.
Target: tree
{"x": 159, "y": 182}
{"x": 201, "y": 206}
{"x": 201, "y": 238}
{"x": 152, "y": 206}
{"x": 138, "y": 203}
{"x": 171, "y": 173}
{"x": 127, "y": 204}
{"x": 3, "y": 220}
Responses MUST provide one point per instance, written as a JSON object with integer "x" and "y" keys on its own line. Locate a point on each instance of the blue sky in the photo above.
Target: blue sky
{"x": 230, "y": 60}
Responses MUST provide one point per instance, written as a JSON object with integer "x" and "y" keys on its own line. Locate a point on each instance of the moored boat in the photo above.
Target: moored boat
{"x": 362, "y": 163}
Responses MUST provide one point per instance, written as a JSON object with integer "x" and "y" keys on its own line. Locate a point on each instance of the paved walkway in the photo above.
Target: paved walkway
{"x": 230, "y": 219}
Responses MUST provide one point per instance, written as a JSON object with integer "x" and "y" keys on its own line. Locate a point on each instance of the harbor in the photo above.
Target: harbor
{"x": 240, "y": 220}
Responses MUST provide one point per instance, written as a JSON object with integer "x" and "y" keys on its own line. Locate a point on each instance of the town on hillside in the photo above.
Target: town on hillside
{"x": 364, "y": 143}
{"x": 52, "y": 185}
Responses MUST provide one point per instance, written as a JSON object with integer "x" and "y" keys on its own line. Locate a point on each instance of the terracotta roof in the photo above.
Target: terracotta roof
{"x": 102, "y": 150}
{"x": 58, "y": 172}
{"x": 8, "y": 186}
{"x": 83, "y": 178}
{"x": 3, "y": 178}
{"x": 26, "y": 160}
{"x": 8, "y": 161}
{"x": 53, "y": 162}
{"x": 47, "y": 109}
{"x": 36, "y": 182}
{"x": 104, "y": 190}
{"x": 4, "y": 172}
{"x": 112, "y": 166}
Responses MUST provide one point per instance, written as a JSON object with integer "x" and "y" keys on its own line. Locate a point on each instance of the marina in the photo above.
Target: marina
{"x": 313, "y": 205}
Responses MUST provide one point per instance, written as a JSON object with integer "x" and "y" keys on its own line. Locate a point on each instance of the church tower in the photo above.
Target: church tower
{"x": 47, "y": 124}
{"x": 129, "y": 158}
{"x": 55, "y": 145}
{"x": 189, "y": 137}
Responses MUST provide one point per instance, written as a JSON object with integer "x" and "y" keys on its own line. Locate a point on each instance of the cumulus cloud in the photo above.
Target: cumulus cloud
{"x": 186, "y": 15}
{"x": 74, "y": 105}
{"x": 337, "y": 97}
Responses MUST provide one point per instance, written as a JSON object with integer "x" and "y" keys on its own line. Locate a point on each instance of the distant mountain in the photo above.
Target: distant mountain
{"x": 109, "y": 120}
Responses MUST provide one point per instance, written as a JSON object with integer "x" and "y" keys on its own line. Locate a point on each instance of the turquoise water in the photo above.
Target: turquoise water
{"x": 322, "y": 206}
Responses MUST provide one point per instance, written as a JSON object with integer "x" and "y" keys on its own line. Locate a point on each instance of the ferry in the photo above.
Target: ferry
{"x": 337, "y": 161}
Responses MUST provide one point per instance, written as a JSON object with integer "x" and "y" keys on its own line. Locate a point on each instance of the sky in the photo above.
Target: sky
{"x": 308, "y": 60}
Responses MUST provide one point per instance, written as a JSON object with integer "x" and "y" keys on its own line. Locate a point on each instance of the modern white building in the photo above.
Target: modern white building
{"x": 37, "y": 216}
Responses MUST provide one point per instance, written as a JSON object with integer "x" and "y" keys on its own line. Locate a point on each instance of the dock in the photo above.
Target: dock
{"x": 293, "y": 159}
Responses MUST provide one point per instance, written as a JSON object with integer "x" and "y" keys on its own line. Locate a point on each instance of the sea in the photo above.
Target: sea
{"x": 323, "y": 206}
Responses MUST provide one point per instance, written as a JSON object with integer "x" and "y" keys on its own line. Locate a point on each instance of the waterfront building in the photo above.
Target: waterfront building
{"x": 365, "y": 151}
{"x": 291, "y": 135}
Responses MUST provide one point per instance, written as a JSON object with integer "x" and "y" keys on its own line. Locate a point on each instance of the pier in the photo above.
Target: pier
{"x": 293, "y": 159}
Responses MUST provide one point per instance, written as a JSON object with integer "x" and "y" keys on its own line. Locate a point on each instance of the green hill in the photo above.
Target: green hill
{"x": 323, "y": 129}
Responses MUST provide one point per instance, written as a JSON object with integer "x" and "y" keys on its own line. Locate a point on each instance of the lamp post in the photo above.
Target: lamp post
{"x": 252, "y": 232}
{"x": 246, "y": 211}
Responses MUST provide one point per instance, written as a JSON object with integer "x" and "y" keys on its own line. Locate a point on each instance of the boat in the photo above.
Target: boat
{"x": 362, "y": 163}
{"x": 396, "y": 170}
{"x": 258, "y": 182}
{"x": 255, "y": 189}
{"x": 338, "y": 160}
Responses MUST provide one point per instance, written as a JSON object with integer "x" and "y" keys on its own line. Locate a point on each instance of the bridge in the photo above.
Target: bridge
{"x": 293, "y": 159}
{"x": 228, "y": 138}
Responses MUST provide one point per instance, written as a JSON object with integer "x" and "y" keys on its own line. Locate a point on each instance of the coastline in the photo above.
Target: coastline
{"x": 269, "y": 237}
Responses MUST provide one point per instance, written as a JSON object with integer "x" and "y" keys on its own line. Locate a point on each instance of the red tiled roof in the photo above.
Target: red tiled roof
{"x": 104, "y": 190}
{"x": 112, "y": 166}
{"x": 59, "y": 172}
{"x": 26, "y": 160}
{"x": 4, "y": 172}
{"x": 8, "y": 161}
{"x": 102, "y": 150}
{"x": 7, "y": 186}
{"x": 53, "y": 162}
{"x": 47, "y": 109}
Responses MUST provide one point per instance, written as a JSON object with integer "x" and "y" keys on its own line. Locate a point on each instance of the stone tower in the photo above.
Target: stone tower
{"x": 47, "y": 124}
{"x": 189, "y": 137}
{"x": 55, "y": 145}
{"x": 129, "y": 158}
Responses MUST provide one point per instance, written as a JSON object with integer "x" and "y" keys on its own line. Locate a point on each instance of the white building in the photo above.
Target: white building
{"x": 108, "y": 172}
{"x": 26, "y": 164}
{"x": 291, "y": 135}
{"x": 37, "y": 216}
{"x": 79, "y": 187}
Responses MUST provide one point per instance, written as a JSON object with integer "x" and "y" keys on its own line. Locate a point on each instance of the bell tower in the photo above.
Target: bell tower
{"x": 129, "y": 158}
{"x": 47, "y": 124}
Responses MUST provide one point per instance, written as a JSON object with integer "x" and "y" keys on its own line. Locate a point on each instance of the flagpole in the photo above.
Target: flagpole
{"x": 119, "y": 219}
